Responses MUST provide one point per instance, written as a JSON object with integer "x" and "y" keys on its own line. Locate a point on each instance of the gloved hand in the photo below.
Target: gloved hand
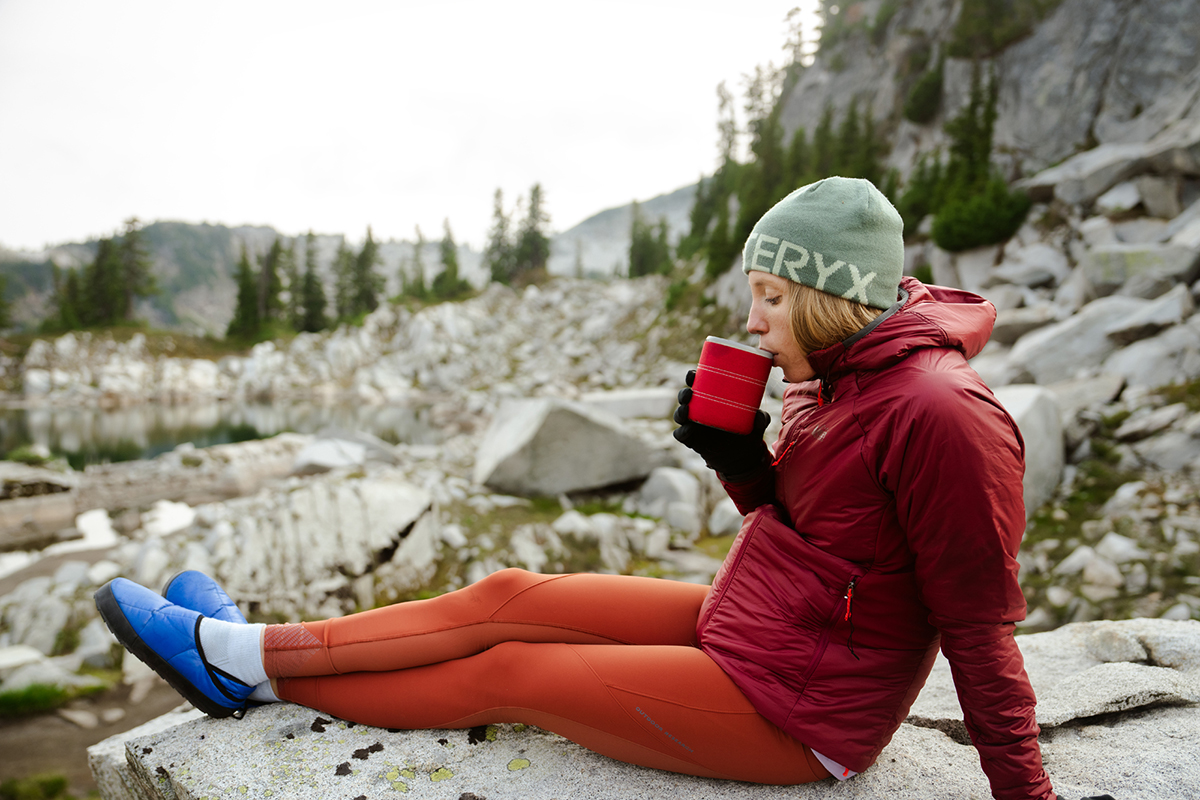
{"x": 729, "y": 454}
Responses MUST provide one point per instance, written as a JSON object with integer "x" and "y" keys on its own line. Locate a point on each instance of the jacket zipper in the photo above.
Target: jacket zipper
{"x": 849, "y": 617}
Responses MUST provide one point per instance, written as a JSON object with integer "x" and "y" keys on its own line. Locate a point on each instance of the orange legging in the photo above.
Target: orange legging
{"x": 608, "y": 661}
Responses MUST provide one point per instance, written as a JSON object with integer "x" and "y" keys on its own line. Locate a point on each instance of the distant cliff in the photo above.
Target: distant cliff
{"x": 1088, "y": 72}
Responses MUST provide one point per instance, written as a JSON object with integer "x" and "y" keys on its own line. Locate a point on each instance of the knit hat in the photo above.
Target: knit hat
{"x": 838, "y": 235}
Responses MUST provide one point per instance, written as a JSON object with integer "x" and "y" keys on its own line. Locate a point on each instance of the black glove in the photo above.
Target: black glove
{"x": 1099, "y": 797}
{"x": 729, "y": 454}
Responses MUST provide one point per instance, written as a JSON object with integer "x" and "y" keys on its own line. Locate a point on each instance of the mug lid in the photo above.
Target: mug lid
{"x": 748, "y": 348}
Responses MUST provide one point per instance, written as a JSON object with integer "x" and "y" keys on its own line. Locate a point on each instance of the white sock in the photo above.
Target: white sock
{"x": 234, "y": 648}
{"x": 263, "y": 693}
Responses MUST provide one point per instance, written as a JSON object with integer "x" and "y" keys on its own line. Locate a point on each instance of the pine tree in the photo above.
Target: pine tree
{"x": 245, "y": 323}
{"x": 447, "y": 285}
{"x": 136, "y": 278}
{"x": 343, "y": 271}
{"x": 367, "y": 282}
{"x": 312, "y": 293}
{"x": 823, "y": 146}
{"x": 289, "y": 269}
{"x": 499, "y": 254}
{"x": 799, "y": 160}
{"x": 103, "y": 299}
{"x": 269, "y": 285}
{"x": 533, "y": 245}
{"x": 6, "y": 304}
{"x": 416, "y": 284}
{"x": 649, "y": 249}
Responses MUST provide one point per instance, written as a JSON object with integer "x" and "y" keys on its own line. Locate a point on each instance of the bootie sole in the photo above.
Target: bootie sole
{"x": 114, "y": 618}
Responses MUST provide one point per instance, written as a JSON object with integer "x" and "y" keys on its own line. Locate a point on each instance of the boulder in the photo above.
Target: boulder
{"x": 1139, "y": 426}
{"x": 1084, "y": 177}
{"x": 1109, "y": 266}
{"x": 1116, "y": 706}
{"x": 1059, "y": 351}
{"x": 1160, "y": 195}
{"x": 674, "y": 495}
{"x": 655, "y": 402}
{"x": 1140, "y": 230}
{"x": 1119, "y": 199}
{"x": 1013, "y": 323}
{"x": 548, "y": 446}
{"x": 1037, "y": 417}
{"x": 1097, "y": 231}
{"x": 725, "y": 519}
{"x": 1171, "y": 356}
{"x": 1170, "y": 309}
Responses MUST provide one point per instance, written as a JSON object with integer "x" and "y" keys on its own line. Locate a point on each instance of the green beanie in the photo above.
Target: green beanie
{"x": 838, "y": 235}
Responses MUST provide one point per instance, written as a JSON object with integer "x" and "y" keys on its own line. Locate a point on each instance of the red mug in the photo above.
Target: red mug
{"x": 728, "y": 389}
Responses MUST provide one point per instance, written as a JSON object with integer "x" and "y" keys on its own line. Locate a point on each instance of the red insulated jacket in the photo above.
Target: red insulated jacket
{"x": 888, "y": 523}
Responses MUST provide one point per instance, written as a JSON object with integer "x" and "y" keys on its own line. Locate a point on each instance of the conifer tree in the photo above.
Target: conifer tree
{"x": 823, "y": 146}
{"x": 499, "y": 254}
{"x": 312, "y": 294}
{"x": 6, "y": 304}
{"x": 799, "y": 160}
{"x": 103, "y": 292}
{"x": 533, "y": 245}
{"x": 416, "y": 284}
{"x": 289, "y": 270}
{"x": 343, "y": 271}
{"x": 367, "y": 282}
{"x": 135, "y": 275}
{"x": 447, "y": 285}
{"x": 245, "y": 323}
{"x": 649, "y": 249}
{"x": 269, "y": 285}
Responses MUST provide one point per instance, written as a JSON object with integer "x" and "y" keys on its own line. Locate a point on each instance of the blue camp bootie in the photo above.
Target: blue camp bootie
{"x": 198, "y": 592}
{"x": 167, "y": 638}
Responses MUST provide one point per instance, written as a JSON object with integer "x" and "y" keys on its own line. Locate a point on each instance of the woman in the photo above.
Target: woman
{"x": 885, "y": 521}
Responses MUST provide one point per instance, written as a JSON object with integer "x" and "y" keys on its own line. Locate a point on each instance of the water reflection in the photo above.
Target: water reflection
{"x": 94, "y": 435}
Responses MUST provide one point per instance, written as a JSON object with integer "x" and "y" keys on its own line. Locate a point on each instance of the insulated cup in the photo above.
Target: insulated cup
{"x": 729, "y": 384}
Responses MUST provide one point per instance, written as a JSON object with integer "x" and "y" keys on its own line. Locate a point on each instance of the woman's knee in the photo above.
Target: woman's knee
{"x": 506, "y": 582}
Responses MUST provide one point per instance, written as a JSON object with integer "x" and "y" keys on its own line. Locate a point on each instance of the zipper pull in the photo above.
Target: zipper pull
{"x": 849, "y": 596}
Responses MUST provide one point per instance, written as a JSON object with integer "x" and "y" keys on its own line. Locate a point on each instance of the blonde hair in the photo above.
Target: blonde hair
{"x": 821, "y": 320}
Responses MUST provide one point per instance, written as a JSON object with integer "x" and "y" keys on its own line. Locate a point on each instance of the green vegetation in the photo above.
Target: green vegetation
{"x": 446, "y": 284}
{"x": 925, "y": 98}
{"x": 38, "y": 787}
{"x": 971, "y": 204}
{"x": 104, "y": 292}
{"x": 851, "y": 148}
{"x": 37, "y": 698}
{"x": 986, "y": 27}
{"x": 649, "y": 249}
{"x": 518, "y": 259}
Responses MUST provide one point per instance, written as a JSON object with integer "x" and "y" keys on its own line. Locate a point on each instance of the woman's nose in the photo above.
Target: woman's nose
{"x": 754, "y": 322}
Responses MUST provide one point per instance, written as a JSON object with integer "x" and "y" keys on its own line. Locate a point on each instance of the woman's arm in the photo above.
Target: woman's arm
{"x": 955, "y": 463}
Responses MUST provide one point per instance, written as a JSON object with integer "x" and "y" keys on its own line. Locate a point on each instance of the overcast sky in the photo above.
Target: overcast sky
{"x": 338, "y": 116}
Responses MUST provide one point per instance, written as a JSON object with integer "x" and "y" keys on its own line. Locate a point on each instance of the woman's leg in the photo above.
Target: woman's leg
{"x": 667, "y": 707}
{"x": 511, "y": 605}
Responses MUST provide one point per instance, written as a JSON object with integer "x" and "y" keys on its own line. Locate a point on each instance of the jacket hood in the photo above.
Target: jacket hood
{"x": 932, "y": 316}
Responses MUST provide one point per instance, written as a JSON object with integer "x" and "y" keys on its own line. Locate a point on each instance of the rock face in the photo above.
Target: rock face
{"x": 1113, "y": 72}
{"x": 1116, "y": 705}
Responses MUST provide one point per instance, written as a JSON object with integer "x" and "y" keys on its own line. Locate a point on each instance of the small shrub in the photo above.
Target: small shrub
{"x": 33, "y": 699}
{"x": 980, "y": 219}
{"x": 675, "y": 293}
{"x": 925, "y": 98}
{"x": 26, "y": 454}
{"x": 36, "y": 787}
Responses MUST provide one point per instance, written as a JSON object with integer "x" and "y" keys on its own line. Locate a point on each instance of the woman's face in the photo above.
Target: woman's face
{"x": 770, "y": 314}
